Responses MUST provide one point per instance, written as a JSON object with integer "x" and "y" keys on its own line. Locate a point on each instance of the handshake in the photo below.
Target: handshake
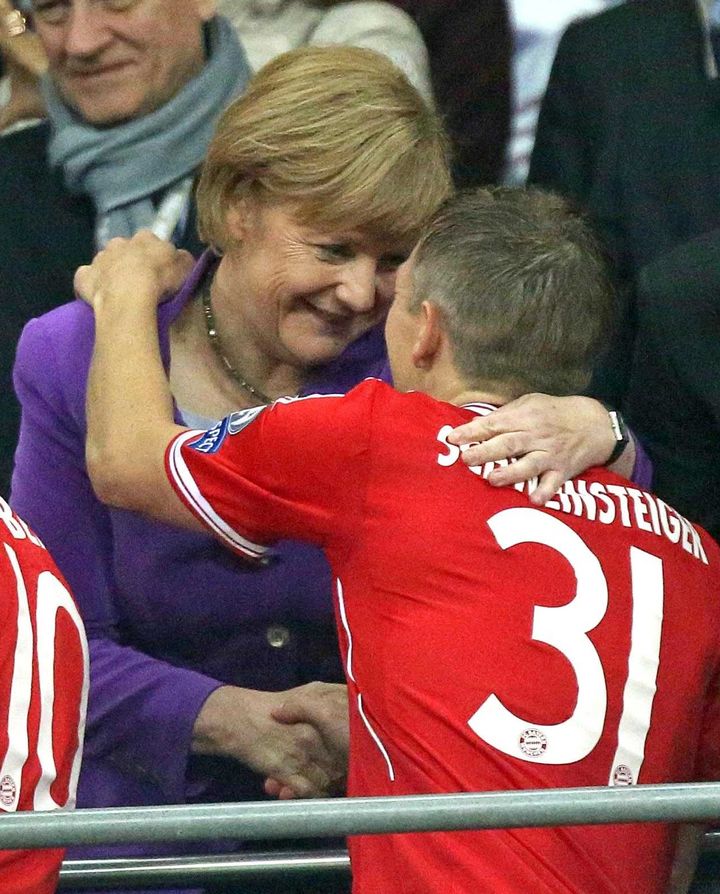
{"x": 296, "y": 739}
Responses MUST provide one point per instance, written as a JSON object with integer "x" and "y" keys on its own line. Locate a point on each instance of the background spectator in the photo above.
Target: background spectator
{"x": 536, "y": 29}
{"x": 674, "y": 392}
{"x": 270, "y": 27}
{"x": 470, "y": 46}
{"x": 651, "y": 61}
{"x": 629, "y": 127}
{"x": 133, "y": 98}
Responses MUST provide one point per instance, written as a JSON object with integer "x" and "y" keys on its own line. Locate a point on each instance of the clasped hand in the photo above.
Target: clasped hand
{"x": 297, "y": 739}
{"x": 25, "y": 62}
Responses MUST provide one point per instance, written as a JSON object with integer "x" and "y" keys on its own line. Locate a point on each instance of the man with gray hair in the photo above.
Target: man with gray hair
{"x": 489, "y": 643}
{"x": 133, "y": 91}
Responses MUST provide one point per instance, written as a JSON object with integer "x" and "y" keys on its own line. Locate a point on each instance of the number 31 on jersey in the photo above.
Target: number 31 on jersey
{"x": 566, "y": 629}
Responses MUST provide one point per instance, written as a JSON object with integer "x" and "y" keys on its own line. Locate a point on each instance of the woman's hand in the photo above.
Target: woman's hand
{"x": 325, "y": 707}
{"x": 551, "y": 438}
{"x": 141, "y": 269}
{"x": 239, "y": 723}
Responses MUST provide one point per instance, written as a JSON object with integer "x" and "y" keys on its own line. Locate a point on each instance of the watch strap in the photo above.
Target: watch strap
{"x": 620, "y": 431}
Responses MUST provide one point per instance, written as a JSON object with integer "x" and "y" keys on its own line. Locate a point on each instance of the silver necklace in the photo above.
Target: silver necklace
{"x": 214, "y": 339}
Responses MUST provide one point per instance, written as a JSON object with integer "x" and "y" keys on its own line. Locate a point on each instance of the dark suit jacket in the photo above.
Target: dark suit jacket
{"x": 673, "y": 401}
{"x": 630, "y": 127}
{"x": 470, "y": 48}
{"x": 45, "y": 234}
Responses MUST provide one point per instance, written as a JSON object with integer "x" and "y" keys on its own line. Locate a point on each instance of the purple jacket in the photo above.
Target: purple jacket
{"x": 170, "y": 615}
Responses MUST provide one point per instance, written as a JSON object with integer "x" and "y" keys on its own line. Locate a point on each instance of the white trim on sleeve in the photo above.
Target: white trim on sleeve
{"x": 189, "y": 489}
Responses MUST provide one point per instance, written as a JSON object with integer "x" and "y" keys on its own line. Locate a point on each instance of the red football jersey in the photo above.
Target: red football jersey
{"x": 489, "y": 644}
{"x": 43, "y": 696}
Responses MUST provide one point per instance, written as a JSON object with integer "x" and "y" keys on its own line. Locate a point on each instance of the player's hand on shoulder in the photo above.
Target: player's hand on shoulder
{"x": 143, "y": 268}
{"x": 551, "y": 438}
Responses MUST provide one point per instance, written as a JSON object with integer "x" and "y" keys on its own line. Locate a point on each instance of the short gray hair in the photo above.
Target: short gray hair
{"x": 522, "y": 285}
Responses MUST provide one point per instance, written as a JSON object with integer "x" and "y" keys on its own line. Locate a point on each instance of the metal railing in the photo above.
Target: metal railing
{"x": 691, "y": 802}
{"x": 694, "y": 802}
{"x": 169, "y": 872}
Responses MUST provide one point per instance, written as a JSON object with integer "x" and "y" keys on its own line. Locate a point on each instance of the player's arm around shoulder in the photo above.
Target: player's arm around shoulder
{"x": 129, "y": 406}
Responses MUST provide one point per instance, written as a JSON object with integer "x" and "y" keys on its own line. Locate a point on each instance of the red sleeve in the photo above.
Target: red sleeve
{"x": 43, "y": 696}
{"x": 294, "y": 469}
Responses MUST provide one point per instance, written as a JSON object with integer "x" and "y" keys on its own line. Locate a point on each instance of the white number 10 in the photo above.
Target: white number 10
{"x": 51, "y": 598}
{"x": 565, "y": 628}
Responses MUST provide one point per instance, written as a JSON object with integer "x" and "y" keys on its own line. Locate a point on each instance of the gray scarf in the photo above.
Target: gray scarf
{"x": 122, "y": 167}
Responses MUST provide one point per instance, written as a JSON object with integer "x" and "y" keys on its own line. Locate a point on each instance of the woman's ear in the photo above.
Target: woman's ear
{"x": 237, "y": 219}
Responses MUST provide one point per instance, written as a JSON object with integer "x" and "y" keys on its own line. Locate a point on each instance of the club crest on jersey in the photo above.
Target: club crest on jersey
{"x": 623, "y": 775}
{"x": 211, "y": 440}
{"x": 533, "y": 742}
{"x": 8, "y": 791}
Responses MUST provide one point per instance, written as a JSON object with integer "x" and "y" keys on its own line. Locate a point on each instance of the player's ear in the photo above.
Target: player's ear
{"x": 429, "y": 335}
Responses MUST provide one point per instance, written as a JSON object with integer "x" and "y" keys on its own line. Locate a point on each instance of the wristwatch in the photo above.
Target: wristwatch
{"x": 619, "y": 430}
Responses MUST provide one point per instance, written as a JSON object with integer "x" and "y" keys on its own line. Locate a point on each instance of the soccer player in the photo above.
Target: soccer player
{"x": 489, "y": 643}
{"x": 43, "y": 696}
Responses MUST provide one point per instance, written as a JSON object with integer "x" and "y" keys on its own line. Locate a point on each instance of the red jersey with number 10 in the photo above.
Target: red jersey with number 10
{"x": 43, "y": 696}
{"x": 489, "y": 644}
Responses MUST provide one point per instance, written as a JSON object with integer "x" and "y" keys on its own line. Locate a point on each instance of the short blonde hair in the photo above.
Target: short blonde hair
{"x": 339, "y": 133}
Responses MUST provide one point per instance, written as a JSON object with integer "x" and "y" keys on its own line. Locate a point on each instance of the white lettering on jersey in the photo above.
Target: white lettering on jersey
{"x": 51, "y": 598}
{"x": 16, "y": 526}
{"x": 454, "y": 452}
{"x": 606, "y": 503}
{"x": 566, "y": 629}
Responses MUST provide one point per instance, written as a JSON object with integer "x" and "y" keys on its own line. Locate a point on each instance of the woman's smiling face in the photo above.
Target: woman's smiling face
{"x": 303, "y": 295}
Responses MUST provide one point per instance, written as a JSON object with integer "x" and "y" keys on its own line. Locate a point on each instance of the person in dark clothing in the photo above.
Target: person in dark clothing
{"x": 674, "y": 392}
{"x": 630, "y": 129}
{"x": 470, "y": 47}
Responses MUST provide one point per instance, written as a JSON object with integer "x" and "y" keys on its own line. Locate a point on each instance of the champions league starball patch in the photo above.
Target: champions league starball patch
{"x": 211, "y": 440}
{"x": 242, "y": 418}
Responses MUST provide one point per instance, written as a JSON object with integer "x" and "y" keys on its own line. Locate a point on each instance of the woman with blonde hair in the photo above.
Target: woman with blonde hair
{"x": 317, "y": 184}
